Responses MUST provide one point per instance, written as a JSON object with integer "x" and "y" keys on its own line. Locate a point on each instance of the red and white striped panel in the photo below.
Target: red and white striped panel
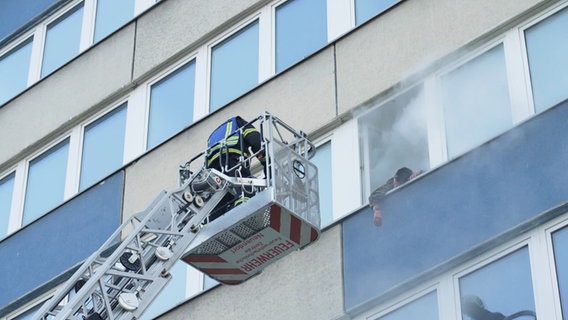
{"x": 285, "y": 233}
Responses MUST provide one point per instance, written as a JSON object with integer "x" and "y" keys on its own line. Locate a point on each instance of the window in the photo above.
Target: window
{"x": 172, "y": 294}
{"x": 103, "y": 147}
{"x": 111, "y": 15}
{"x": 15, "y": 14}
{"x": 547, "y": 51}
{"x": 62, "y": 40}
{"x": 6, "y": 190}
{"x": 234, "y": 66}
{"x": 14, "y": 69}
{"x": 322, "y": 159}
{"x": 171, "y": 104}
{"x": 366, "y": 9}
{"x": 46, "y": 182}
{"x": 301, "y": 29}
{"x": 476, "y": 103}
{"x": 501, "y": 288}
{"x": 560, "y": 243}
{"x": 394, "y": 135}
{"x": 424, "y": 308}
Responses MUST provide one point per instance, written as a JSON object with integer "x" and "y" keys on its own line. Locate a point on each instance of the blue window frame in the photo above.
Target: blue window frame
{"x": 62, "y": 40}
{"x": 547, "y": 51}
{"x": 6, "y": 191}
{"x": 234, "y": 66}
{"x": 476, "y": 102}
{"x": 14, "y": 69}
{"x": 111, "y": 15}
{"x": 366, "y": 9}
{"x": 103, "y": 147}
{"x": 46, "y": 182}
{"x": 301, "y": 29}
{"x": 322, "y": 159}
{"x": 171, "y": 104}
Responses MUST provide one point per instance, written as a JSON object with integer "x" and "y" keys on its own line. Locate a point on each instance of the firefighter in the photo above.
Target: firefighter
{"x": 229, "y": 146}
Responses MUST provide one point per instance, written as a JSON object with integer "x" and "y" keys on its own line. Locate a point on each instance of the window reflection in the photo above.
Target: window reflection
{"x": 500, "y": 289}
{"x": 560, "y": 244}
{"x": 14, "y": 69}
{"x": 393, "y": 136}
{"x": 366, "y": 9}
{"x": 171, "y": 104}
{"x": 46, "y": 182}
{"x": 172, "y": 294}
{"x": 476, "y": 102}
{"x": 103, "y": 147}
{"x": 424, "y": 308}
{"x": 6, "y": 190}
{"x": 301, "y": 29}
{"x": 234, "y": 66}
{"x": 62, "y": 40}
{"x": 322, "y": 159}
{"x": 111, "y": 15}
{"x": 547, "y": 51}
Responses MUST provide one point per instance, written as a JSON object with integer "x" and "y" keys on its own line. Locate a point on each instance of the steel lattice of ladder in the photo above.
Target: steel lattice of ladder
{"x": 121, "y": 279}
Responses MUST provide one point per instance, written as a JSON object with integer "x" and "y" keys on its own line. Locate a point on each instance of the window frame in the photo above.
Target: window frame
{"x": 79, "y": 138}
{"x": 26, "y": 169}
{"x": 256, "y": 17}
{"x": 147, "y": 91}
{"x": 521, "y": 32}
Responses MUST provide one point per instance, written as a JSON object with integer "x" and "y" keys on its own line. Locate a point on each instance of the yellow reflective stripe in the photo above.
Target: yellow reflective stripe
{"x": 231, "y": 150}
{"x": 232, "y": 140}
{"x": 229, "y": 129}
{"x": 240, "y": 200}
{"x": 249, "y": 130}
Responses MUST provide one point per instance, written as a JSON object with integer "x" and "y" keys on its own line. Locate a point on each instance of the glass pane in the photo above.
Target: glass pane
{"x": 46, "y": 182}
{"x": 16, "y": 13}
{"x": 366, "y": 9}
{"x": 322, "y": 159}
{"x": 103, "y": 147}
{"x": 476, "y": 102}
{"x": 111, "y": 15}
{"x": 547, "y": 51}
{"x": 301, "y": 29}
{"x": 234, "y": 66}
{"x": 209, "y": 282}
{"x": 502, "y": 288}
{"x": 424, "y": 308}
{"x": 14, "y": 69}
{"x": 171, "y": 104}
{"x": 6, "y": 190}
{"x": 394, "y": 136}
{"x": 62, "y": 40}
{"x": 172, "y": 294}
{"x": 560, "y": 244}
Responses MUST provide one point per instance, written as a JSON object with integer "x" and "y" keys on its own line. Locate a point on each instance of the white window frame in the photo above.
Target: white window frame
{"x": 145, "y": 92}
{"x": 224, "y": 36}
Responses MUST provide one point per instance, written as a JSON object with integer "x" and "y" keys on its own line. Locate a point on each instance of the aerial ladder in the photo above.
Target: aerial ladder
{"x": 122, "y": 278}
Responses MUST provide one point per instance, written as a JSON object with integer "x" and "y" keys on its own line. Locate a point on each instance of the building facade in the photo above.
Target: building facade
{"x": 101, "y": 101}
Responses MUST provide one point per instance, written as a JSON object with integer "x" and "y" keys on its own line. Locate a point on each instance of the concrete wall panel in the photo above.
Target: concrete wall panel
{"x": 61, "y": 100}
{"x": 281, "y": 290}
{"x": 303, "y": 97}
{"x": 178, "y": 27}
{"x": 409, "y": 37}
